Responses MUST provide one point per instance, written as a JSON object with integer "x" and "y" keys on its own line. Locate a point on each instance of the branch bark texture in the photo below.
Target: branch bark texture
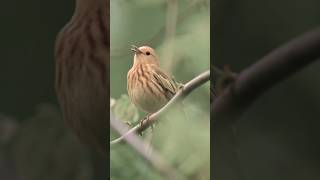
{"x": 274, "y": 67}
{"x": 246, "y": 88}
{"x": 138, "y": 145}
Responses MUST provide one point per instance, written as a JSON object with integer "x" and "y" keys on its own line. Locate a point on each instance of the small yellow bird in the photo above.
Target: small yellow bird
{"x": 149, "y": 87}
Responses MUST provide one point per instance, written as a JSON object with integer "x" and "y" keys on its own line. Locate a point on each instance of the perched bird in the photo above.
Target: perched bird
{"x": 82, "y": 60}
{"x": 149, "y": 87}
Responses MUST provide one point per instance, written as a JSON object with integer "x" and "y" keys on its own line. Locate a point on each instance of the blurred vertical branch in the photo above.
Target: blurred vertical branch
{"x": 170, "y": 30}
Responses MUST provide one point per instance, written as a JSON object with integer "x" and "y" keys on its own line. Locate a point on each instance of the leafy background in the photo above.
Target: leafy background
{"x": 278, "y": 136}
{"x": 182, "y": 142}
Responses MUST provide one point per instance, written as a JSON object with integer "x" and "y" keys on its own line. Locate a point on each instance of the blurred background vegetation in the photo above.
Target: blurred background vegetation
{"x": 35, "y": 144}
{"x": 279, "y": 136}
{"x": 179, "y": 31}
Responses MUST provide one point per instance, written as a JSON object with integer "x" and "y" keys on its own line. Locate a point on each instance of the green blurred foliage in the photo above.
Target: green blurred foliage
{"x": 278, "y": 136}
{"x": 181, "y": 138}
{"x": 125, "y": 110}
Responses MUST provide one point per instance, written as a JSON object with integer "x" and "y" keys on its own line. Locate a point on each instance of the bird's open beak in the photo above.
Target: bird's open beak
{"x": 135, "y": 49}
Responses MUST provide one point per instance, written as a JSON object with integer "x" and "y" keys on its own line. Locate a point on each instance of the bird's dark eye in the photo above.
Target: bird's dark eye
{"x": 148, "y": 53}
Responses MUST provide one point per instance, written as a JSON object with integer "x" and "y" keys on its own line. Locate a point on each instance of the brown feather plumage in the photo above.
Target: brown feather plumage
{"x": 81, "y": 57}
{"x": 149, "y": 87}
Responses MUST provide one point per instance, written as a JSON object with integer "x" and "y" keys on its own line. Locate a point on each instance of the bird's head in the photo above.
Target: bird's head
{"x": 145, "y": 55}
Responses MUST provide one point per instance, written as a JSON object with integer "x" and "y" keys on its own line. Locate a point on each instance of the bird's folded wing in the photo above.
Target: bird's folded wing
{"x": 167, "y": 84}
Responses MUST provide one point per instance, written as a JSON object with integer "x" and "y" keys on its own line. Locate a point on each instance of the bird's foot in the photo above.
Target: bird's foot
{"x": 181, "y": 86}
{"x": 143, "y": 121}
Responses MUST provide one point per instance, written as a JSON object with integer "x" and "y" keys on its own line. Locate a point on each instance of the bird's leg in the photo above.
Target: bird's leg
{"x": 180, "y": 86}
{"x": 145, "y": 119}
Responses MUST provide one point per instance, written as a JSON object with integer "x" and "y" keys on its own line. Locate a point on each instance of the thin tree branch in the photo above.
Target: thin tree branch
{"x": 264, "y": 74}
{"x": 181, "y": 94}
{"x": 141, "y": 147}
{"x": 246, "y": 88}
{"x": 170, "y": 31}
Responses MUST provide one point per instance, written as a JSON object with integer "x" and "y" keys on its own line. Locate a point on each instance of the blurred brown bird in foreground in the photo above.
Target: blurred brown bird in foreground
{"x": 149, "y": 87}
{"x": 81, "y": 56}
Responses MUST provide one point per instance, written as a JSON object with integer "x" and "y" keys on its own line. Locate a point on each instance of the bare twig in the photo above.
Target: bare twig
{"x": 140, "y": 146}
{"x": 246, "y": 88}
{"x": 181, "y": 94}
{"x": 264, "y": 74}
